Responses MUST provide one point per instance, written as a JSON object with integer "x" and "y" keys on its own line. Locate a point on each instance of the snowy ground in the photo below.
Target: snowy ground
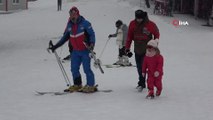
{"x": 27, "y": 67}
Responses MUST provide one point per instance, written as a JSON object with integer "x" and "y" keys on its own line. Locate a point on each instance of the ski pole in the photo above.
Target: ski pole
{"x": 61, "y": 66}
{"x": 63, "y": 70}
{"x": 104, "y": 48}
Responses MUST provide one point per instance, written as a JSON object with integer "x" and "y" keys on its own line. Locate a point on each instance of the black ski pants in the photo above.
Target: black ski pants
{"x": 139, "y": 61}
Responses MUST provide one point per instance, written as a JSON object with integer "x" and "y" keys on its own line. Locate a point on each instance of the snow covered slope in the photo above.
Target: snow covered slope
{"x": 27, "y": 67}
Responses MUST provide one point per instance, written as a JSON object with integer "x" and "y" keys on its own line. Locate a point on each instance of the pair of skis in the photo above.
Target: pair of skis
{"x": 40, "y": 93}
{"x": 64, "y": 93}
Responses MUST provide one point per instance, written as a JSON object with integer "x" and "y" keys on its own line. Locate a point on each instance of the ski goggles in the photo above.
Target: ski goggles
{"x": 73, "y": 13}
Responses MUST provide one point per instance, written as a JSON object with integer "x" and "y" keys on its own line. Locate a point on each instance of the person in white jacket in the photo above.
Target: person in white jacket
{"x": 121, "y": 35}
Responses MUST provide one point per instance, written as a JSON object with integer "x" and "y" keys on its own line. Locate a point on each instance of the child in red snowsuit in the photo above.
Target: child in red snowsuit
{"x": 153, "y": 66}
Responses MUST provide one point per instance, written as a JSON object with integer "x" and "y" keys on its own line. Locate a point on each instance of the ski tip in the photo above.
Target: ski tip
{"x": 39, "y": 93}
{"x": 105, "y": 91}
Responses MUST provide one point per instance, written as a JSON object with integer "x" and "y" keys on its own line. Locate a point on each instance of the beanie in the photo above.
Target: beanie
{"x": 140, "y": 14}
{"x": 118, "y": 23}
{"x": 74, "y": 9}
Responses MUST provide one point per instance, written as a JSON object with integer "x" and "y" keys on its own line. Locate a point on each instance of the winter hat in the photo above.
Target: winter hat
{"x": 118, "y": 23}
{"x": 74, "y": 9}
{"x": 153, "y": 43}
{"x": 140, "y": 14}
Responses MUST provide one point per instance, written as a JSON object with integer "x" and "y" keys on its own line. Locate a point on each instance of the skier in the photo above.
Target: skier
{"x": 59, "y": 4}
{"x": 141, "y": 30}
{"x": 121, "y": 34}
{"x": 153, "y": 65}
{"x": 79, "y": 31}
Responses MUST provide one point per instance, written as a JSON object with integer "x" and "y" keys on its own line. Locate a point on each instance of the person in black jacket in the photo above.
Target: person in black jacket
{"x": 59, "y": 5}
{"x": 147, "y": 4}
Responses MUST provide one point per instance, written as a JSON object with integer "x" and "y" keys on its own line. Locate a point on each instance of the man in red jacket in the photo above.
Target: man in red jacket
{"x": 141, "y": 31}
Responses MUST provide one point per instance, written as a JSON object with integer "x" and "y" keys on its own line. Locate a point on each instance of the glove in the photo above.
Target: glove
{"x": 91, "y": 46}
{"x": 128, "y": 53}
{"x": 109, "y": 36}
{"x": 97, "y": 63}
{"x": 52, "y": 48}
{"x": 156, "y": 74}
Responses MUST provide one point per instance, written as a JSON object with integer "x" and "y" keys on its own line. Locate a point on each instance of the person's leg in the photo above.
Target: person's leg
{"x": 75, "y": 65}
{"x": 119, "y": 62}
{"x": 86, "y": 60}
{"x": 150, "y": 85}
{"x": 159, "y": 86}
{"x": 147, "y": 4}
{"x": 139, "y": 61}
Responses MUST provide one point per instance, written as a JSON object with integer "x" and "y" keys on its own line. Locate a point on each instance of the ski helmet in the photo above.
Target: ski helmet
{"x": 118, "y": 23}
{"x": 74, "y": 14}
{"x": 74, "y": 9}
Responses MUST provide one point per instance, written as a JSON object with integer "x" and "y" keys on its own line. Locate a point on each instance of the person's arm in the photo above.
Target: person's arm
{"x": 130, "y": 36}
{"x": 160, "y": 65}
{"x": 60, "y": 42}
{"x": 113, "y": 35}
{"x": 91, "y": 33}
{"x": 155, "y": 31}
{"x": 65, "y": 37}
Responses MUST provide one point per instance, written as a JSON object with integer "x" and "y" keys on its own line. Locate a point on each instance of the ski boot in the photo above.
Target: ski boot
{"x": 73, "y": 88}
{"x": 158, "y": 93}
{"x": 141, "y": 85}
{"x": 125, "y": 61}
{"x": 150, "y": 95}
{"x": 139, "y": 88}
{"x": 119, "y": 62}
{"x": 88, "y": 89}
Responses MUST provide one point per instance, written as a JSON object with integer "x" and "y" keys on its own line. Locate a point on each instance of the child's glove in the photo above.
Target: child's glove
{"x": 156, "y": 74}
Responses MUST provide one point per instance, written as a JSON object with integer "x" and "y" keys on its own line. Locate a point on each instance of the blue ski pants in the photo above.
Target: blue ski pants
{"x": 78, "y": 58}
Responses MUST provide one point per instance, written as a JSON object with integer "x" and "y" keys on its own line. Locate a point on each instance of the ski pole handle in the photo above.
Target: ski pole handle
{"x": 50, "y": 43}
{"x": 50, "y": 47}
